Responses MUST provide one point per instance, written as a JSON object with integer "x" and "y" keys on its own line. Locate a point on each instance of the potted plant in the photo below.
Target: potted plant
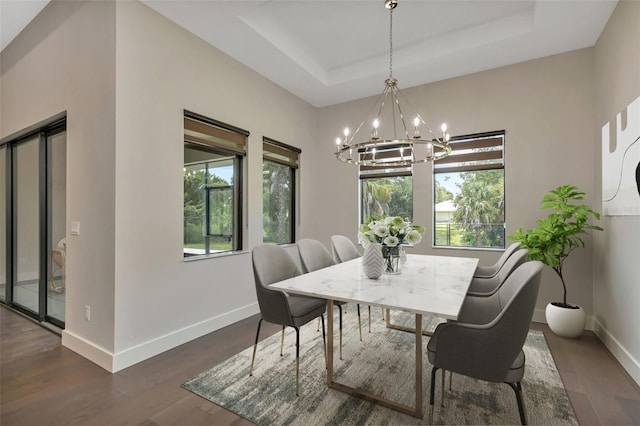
{"x": 551, "y": 242}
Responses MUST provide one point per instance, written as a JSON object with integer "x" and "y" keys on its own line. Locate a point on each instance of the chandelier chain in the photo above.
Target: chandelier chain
{"x": 391, "y": 43}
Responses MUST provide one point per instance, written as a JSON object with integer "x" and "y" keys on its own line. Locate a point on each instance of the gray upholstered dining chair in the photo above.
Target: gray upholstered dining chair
{"x": 490, "y": 271}
{"x": 343, "y": 249}
{"x": 313, "y": 256}
{"x": 486, "y": 343}
{"x": 483, "y": 287}
{"x": 271, "y": 264}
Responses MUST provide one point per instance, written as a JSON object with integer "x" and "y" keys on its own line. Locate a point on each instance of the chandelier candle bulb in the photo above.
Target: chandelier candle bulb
{"x": 416, "y": 132}
{"x": 374, "y": 134}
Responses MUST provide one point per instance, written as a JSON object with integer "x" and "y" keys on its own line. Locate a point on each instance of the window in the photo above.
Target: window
{"x": 213, "y": 156}
{"x": 278, "y": 191}
{"x": 385, "y": 191}
{"x": 469, "y": 193}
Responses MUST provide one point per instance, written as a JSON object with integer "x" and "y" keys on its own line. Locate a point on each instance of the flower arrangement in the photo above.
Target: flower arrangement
{"x": 391, "y": 231}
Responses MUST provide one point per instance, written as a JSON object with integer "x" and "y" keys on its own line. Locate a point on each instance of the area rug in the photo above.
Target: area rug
{"x": 382, "y": 363}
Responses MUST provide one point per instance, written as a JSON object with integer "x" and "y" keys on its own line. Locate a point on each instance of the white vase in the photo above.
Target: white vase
{"x": 565, "y": 322}
{"x": 372, "y": 261}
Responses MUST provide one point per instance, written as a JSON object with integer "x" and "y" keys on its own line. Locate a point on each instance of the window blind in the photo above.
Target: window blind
{"x": 482, "y": 151}
{"x": 200, "y": 130}
{"x": 280, "y": 153}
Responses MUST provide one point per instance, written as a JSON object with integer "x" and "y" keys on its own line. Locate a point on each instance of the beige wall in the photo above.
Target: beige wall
{"x": 617, "y": 271}
{"x": 546, "y": 108}
{"x": 65, "y": 61}
{"x": 161, "y": 300}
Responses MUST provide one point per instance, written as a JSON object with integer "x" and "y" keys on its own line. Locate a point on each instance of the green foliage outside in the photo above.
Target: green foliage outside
{"x": 478, "y": 220}
{"x": 220, "y": 195}
{"x": 392, "y": 196}
{"x": 557, "y": 235}
{"x": 480, "y": 208}
{"x": 276, "y": 203}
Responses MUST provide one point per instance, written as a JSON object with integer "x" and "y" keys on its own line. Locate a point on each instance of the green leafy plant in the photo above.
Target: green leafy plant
{"x": 557, "y": 235}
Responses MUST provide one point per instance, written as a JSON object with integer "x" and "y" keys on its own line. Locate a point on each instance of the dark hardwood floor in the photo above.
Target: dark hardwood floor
{"x": 43, "y": 383}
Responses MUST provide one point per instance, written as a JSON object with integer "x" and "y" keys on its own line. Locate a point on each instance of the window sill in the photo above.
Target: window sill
{"x": 214, "y": 255}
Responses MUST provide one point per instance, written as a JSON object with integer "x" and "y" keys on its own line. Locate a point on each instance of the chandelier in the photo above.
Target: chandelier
{"x": 398, "y": 145}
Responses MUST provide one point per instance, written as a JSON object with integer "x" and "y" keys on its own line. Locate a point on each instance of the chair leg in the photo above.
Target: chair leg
{"x": 444, "y": 377}
{"x": 517, "y": 388}
{"x": 450, "y": 379}
{"x": 359, "y": 323}
{"x": 369, "y": 319}
{"x": 382, "y": 314}
{"x": 340, "y": 322}
{"x": 318, "y": 325}
{"x": 282, "y": 341}
{"x": 255, "y": 346}
{"x": 432, "y": 392}
{"x": 297, "y": 359}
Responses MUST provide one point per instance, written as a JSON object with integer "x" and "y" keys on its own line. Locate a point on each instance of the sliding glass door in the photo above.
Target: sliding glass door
{"x": 33, "y": 223}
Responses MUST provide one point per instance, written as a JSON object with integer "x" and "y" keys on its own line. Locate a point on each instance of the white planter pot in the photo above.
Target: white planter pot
{"x": 565, "y": 322}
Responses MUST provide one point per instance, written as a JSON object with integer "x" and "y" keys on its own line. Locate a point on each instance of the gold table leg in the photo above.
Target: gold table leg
{"x": 412, "y": 411}
{"x": 403, "y": 328}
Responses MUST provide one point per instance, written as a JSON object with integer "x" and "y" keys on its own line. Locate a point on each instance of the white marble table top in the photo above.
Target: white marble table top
{"x": 427, "y": 284}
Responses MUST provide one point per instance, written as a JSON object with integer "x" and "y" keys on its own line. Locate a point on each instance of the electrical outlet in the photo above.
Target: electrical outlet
{"x": 87, "y": 313}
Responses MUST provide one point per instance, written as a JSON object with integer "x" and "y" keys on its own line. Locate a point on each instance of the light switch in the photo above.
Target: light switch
{"x": 75, "y": 228}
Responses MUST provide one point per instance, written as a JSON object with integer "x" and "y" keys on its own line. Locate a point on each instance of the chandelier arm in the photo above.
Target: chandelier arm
{"x": 384, "y": 100}
{"x": 380, "y": 96}
{"x": 406, "y": 101}
{"x": 404, "y": 124}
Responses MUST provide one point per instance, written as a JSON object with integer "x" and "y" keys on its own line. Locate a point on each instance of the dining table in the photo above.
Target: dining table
{"x": 427, "y": 284}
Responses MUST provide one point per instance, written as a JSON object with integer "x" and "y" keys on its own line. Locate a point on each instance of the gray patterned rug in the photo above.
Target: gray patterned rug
{"x": 382, "y": 363}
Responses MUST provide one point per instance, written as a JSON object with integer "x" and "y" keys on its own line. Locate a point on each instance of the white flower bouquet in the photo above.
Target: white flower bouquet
{"x": 391, "y": 232}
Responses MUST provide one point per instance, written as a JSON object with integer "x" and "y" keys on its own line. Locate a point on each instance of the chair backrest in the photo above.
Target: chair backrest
{"x": 343, "y": 249}
{"x": 506, "y": 333}
{"x": 490, "y": 271}
{"x": 314, "y": 255}
{"x": 517, "y": 298}
{"x": 488, "y": 286}
{"x": 272, "y": 264}
{"x": 481, "y": 310}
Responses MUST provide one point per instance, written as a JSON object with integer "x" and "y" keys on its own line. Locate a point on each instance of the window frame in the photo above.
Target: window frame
{"x": 286, "y": 155}
{"x": 215, "y": 137}
{"x": 491, "y": 158}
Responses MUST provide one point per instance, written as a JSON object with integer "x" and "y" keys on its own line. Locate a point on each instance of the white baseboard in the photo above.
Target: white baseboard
{"x": 626, "y": 359}
{"x": 116, "y": 362}
{"x": 89, "y": 350}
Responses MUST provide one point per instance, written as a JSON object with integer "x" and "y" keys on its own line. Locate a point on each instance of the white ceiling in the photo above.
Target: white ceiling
{"x": 330, "y": 51}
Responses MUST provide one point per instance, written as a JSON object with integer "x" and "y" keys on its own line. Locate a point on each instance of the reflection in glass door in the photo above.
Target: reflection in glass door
{"x": 26, "y": 224}
{"x": 56, "y": 220}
